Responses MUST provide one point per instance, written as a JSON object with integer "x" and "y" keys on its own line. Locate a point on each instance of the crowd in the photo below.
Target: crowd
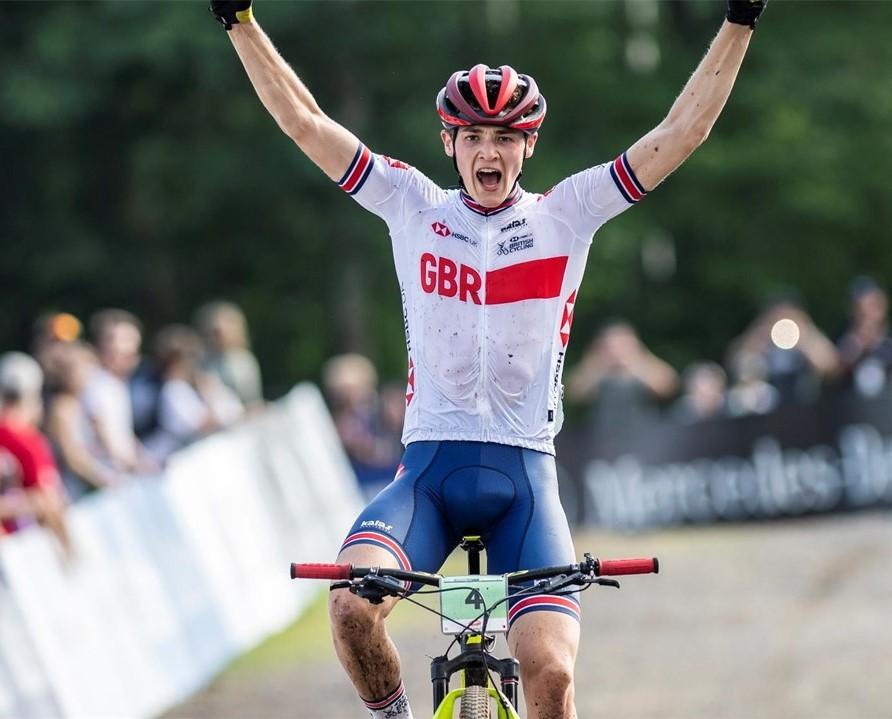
{"x": 782, "y": 357}
{"x": 77, "y": 416}
{"x": 88, "y": 410}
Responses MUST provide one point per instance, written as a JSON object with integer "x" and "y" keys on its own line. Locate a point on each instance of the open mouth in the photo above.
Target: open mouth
{"x": 489, "y": 179}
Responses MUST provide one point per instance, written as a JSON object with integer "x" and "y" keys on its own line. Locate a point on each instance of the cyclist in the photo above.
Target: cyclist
{"x": 488, "y": 275}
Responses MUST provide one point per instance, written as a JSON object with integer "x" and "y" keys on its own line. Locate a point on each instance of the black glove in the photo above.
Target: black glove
{"x": 745, "y": 12}
{"x": 231, "y": 12}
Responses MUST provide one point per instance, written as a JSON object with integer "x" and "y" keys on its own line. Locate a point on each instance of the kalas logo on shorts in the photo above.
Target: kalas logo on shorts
{"x": 376, "y": 524}
{"x": 441, "y": 229}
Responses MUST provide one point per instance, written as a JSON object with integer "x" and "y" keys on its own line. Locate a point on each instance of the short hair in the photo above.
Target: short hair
{"x": 207, "y": 315}
{"x": 103, "y": 320}
{"x": 20, "y": 377}
{"x": 176, "y": 343}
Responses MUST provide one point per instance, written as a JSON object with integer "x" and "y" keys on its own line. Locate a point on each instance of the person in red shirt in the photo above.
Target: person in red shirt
{"x": 31, "y": 469}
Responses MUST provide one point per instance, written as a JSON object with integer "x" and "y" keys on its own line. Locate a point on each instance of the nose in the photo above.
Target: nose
{"x": 488, "y": 149}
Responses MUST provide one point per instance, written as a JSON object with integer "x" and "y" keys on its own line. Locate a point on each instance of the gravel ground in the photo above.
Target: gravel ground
{"x": 788, "y": 619}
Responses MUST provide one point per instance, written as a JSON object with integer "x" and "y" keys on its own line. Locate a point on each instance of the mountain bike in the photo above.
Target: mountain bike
{"x": 474, "y": 608}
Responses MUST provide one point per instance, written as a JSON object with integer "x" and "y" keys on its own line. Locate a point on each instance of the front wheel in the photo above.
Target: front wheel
{"x": 475, "y": 703}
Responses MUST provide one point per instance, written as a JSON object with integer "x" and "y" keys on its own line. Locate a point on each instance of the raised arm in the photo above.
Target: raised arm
{"x": 282, "y": 93}
{"x": 698, "y": 106}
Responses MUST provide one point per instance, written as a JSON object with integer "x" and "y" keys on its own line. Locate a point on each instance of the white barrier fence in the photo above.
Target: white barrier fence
{"x": 176, "y": 575}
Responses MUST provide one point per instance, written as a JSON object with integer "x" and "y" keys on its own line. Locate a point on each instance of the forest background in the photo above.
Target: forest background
{"x": 139, "y": 170}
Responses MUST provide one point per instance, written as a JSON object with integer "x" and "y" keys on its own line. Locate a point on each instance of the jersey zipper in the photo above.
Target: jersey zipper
{"x": 483, "y": 404}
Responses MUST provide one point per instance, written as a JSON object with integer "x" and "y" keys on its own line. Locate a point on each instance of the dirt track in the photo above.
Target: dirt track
{"x": 787, "y": 620}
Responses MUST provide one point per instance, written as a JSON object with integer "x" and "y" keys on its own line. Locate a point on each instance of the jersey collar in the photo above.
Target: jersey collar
{"x": 474, "y": 206}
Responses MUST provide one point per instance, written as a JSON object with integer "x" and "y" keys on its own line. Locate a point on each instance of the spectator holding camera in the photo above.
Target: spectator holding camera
{"x": 865, "y": 350}
{"x": 796, "y": 356}
{"x": 621, "y": 378}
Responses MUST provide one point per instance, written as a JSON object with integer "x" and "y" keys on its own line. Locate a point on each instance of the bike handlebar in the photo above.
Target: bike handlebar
{"x": 321, "y": 571}
{"x": 591, "y": 567}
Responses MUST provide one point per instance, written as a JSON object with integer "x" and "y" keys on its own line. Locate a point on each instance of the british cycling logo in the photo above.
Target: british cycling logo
{"x": 514, "y": 225}
{"x": 376, "y": 524}
{"x": 514, "y": 244}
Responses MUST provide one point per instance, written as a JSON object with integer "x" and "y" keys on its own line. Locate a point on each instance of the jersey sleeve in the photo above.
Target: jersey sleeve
{"x": 586, "y": 200}
{"x": 388, "y": 188}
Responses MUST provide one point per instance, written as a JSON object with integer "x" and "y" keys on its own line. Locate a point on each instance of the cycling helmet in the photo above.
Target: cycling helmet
{"x": 491, "y": 96}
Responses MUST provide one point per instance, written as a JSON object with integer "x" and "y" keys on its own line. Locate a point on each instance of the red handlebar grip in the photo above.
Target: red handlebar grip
{"x": 615, "y": 567}
{"x": 321, "y": 571}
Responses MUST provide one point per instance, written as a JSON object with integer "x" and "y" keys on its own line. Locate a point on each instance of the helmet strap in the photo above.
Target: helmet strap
{"x": 461, "y": 182}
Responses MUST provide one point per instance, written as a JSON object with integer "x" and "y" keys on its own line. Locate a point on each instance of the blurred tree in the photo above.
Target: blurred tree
{"x": 139, "y": 169}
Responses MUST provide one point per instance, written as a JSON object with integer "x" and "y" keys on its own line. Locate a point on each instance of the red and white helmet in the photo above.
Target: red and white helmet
{"x": 488, "y": 96}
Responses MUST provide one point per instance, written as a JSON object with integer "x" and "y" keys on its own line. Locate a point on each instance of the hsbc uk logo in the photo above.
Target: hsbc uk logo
{"x": 441, "y": 229}
{"x": 567, "y": 319}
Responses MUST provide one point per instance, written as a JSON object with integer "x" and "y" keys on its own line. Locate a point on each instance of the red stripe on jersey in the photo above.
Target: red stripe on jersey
{"x": 361, "y": 165}
{"x": 537, "y": 279}
{"x": 623, "y": 174}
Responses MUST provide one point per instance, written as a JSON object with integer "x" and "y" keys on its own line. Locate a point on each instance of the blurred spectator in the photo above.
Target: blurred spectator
{"x": 622, "y": 377}
{"x": 865, "y": 350}
{"x": 27, "y": 451}
{"x": 225, "y": 333}
{"x": 751, "y": 393}
{"x": 68, "y": 426}
{"x": 53, "y": 330}
{"x": 796, "y": 355}
{"x": 15, "y": 504}
{"x": 191, "y": 403}
{"x": 704, "y": 393}
{"x": 106, "y": 396}
{"x": 371, "y": 442}
{"x": 145, "y": 390}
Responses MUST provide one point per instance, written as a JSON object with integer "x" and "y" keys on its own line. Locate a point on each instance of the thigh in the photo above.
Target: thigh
{"x": 535, "y": 532}
{"x": 404, "y": 520}
{"x": 544, "y": 637}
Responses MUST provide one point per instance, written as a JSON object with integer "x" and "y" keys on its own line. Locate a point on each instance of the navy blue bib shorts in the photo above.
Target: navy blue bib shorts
{"x": 449, "y": 489}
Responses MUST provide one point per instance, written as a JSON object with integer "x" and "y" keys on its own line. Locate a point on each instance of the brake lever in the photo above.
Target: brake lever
{"x": 564, "y": 580}
{"x": 604, "y": 582}
{"x": 374, "y": 588}
{"x": 587, "y": 568}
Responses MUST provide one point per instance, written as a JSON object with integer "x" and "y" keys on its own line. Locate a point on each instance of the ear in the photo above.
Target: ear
{"x": 448, "y": 146}
{"x": 531, "y": 145}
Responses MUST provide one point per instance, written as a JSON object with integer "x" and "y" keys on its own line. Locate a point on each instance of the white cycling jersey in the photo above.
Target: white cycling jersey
{"x": 488, "y": 294}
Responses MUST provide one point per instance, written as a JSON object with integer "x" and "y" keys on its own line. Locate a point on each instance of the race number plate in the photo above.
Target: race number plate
{"x": 464, "y": 599}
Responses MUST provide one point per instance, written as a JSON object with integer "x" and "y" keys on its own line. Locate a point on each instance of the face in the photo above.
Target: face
{"x": 119, "y": 349}
{"x": 489, "y": 159}
{"x": 871, "y": 307}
